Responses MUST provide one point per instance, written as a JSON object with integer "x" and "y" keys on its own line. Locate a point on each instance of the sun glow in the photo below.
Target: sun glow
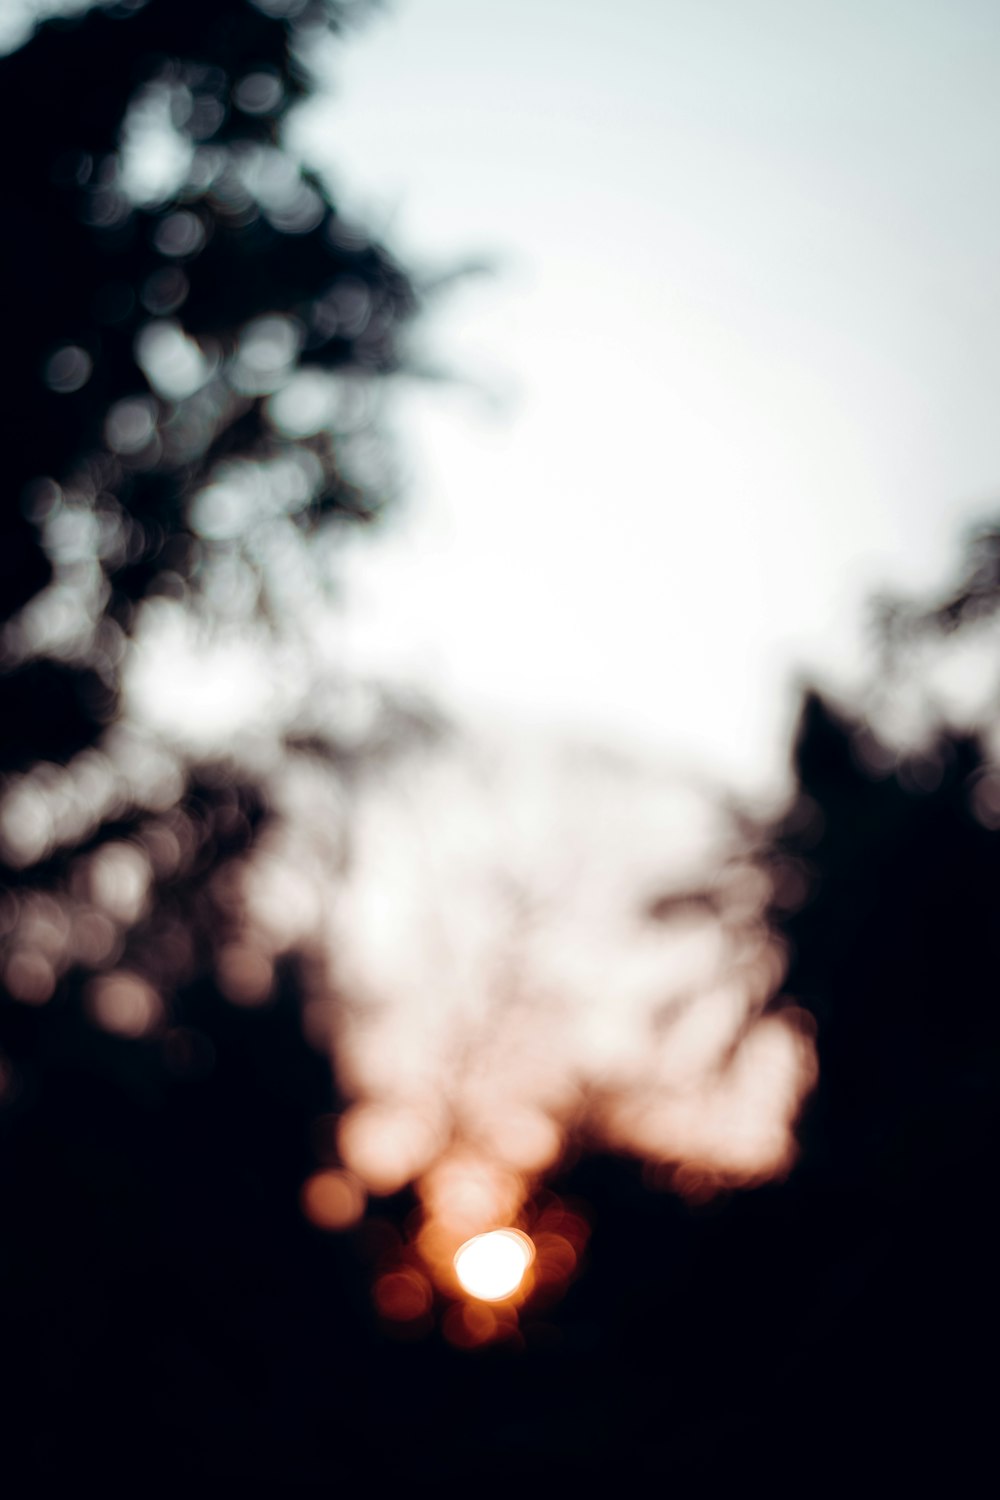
{"x": 491, "y": 1266}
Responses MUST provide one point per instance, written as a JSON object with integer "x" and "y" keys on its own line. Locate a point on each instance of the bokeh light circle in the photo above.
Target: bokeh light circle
{"x": 491, "y": 1266}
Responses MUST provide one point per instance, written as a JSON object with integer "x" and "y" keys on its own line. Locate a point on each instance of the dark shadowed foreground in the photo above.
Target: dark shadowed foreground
{"x": 295, "y": 988}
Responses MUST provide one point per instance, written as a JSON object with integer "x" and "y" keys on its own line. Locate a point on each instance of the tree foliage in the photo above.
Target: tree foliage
{"x": 182, "y": 304}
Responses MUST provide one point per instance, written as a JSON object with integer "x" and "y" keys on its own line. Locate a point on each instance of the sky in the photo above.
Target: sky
{"x": 734, "y": 368}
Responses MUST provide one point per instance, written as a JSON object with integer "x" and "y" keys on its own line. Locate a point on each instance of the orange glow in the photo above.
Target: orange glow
{"x": 631, "y": 984}
{"x": 402, "y": 1296}
{"x": 332, "y": 1200}
{"x": 387, "y": 1145}
{"x": 491, "y": 1266}
{"x": 464, "y": 1192}
{"x": 526, "y": 1139}
{"x": 472, "y": 1325}
{"x": 556, "y": 1258}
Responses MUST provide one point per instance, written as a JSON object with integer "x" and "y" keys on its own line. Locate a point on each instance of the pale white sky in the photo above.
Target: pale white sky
{"x": 745, "y": 329}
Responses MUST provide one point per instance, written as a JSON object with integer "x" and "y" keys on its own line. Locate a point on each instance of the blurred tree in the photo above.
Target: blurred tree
{"x": 181, "y": 301}
{"x": 193, "y": 340}
{"x": 189, "y": 331}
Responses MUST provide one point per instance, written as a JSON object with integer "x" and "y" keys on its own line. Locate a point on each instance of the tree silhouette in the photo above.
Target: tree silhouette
{"x": 190, "y": 328}
{"x": 180, "y": 296}
{"x": 193, "y": 337}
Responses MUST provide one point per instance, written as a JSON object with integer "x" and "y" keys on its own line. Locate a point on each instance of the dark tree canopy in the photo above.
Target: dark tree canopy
{"x": 165, "y": 332}
{"x": 193, "y": 339}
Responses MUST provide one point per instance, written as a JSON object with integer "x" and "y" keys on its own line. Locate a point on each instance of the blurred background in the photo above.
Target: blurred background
{"x": 736, "y": 360}
{"x": 498, "y": 674}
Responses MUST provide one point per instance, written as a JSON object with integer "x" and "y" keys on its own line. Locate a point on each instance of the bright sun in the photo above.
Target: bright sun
{"x": 492, "y": 1266}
